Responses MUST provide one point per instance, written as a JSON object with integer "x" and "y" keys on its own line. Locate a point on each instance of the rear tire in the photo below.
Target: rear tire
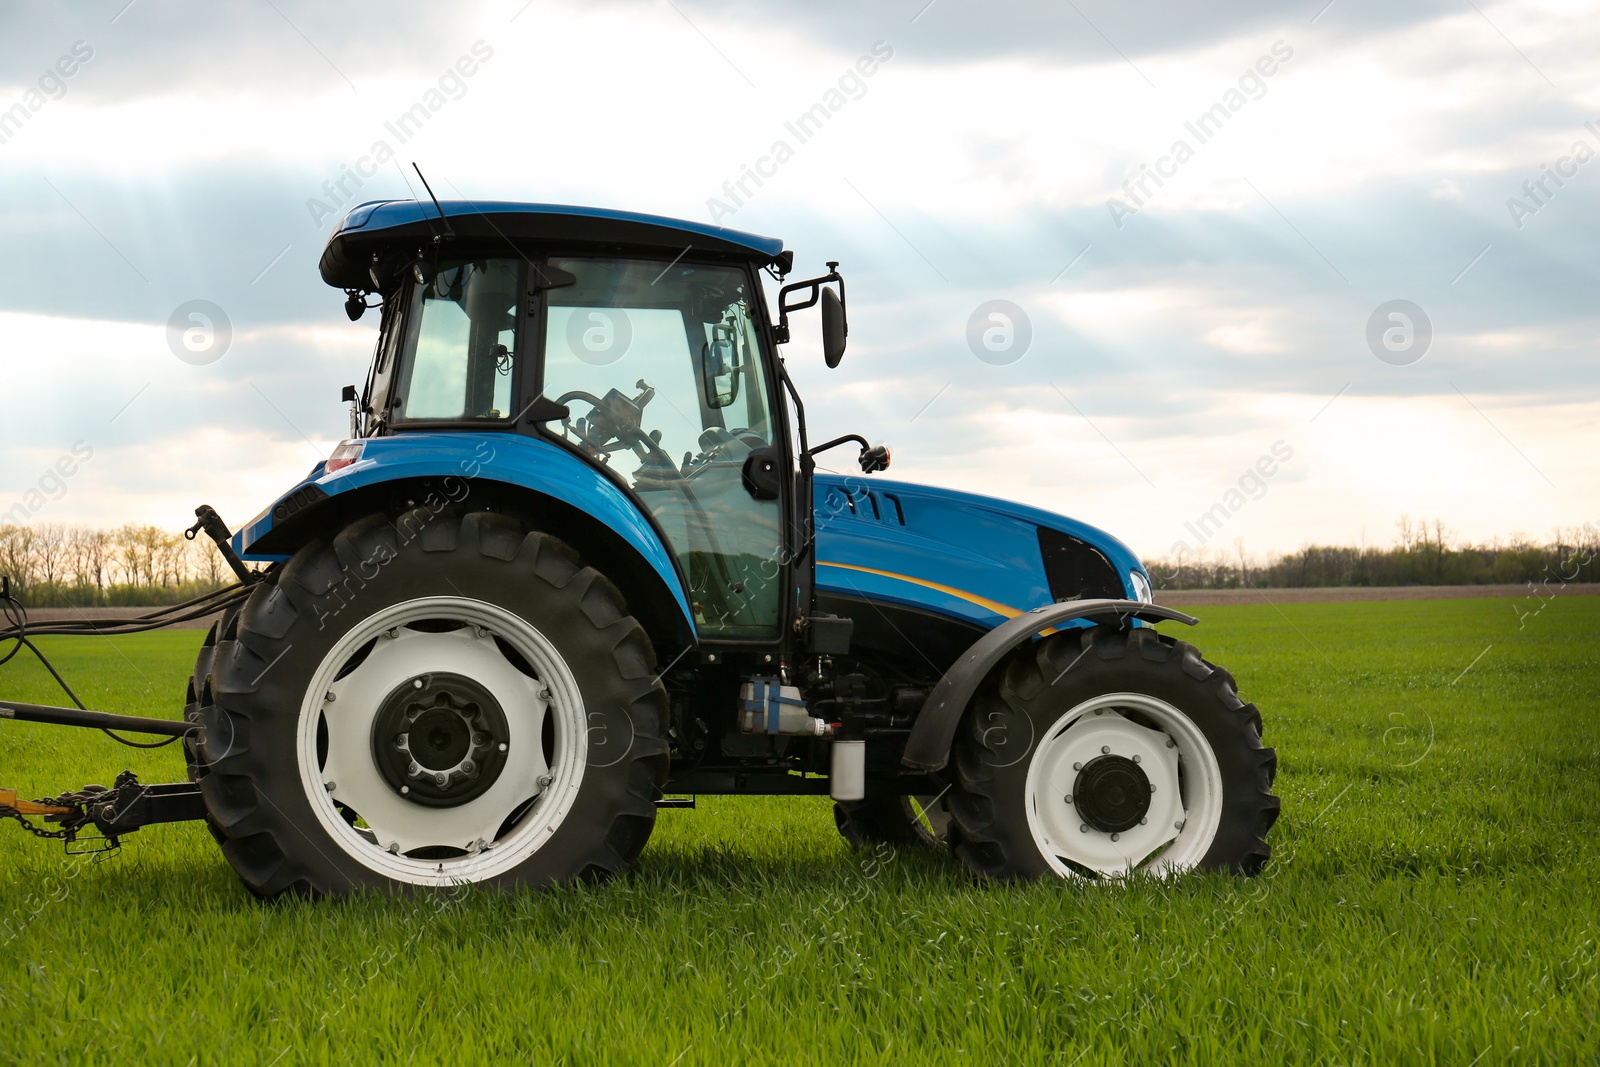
{"x": 1055, "y": 754}
{"x": 433, "y": 701}
{"x": 198, "y": 698}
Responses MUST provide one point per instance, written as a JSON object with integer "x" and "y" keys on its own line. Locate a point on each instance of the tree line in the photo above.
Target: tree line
{"x": 1424, "y": 553}
{"x": 52, "y": 565}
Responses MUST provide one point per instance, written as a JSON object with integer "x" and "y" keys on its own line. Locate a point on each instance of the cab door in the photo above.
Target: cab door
{"x": 660, "y": 365}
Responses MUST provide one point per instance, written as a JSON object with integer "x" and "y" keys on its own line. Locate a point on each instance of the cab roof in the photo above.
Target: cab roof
{"x": 380, "y": 225}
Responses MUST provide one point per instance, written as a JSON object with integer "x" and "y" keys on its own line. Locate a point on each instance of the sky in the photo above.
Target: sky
{"x": 1321, "y": 264}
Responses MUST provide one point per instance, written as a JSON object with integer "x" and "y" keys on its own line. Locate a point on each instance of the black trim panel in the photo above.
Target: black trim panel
{"x": 1076, "y": 570}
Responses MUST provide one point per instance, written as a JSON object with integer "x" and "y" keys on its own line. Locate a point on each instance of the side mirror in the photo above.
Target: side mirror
{"x": 721, "y": 367}
{"x": 834, "y": 328}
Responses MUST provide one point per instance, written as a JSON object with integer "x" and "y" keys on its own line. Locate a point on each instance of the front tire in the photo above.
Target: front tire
{"x": 433, "y": 701}
{"x": 1100, "y": 752}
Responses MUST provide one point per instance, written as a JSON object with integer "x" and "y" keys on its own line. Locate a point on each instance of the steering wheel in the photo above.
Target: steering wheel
{"x": 721, "y": 445}
{"x": 613, "y": 421}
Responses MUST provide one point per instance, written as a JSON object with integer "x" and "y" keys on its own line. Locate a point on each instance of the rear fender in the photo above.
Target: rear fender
{"x": 554, "y": 489}
{"x": 928, "y": 747}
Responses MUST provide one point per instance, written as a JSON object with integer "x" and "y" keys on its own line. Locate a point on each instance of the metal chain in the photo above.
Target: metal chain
{"x": 8, "y": 812}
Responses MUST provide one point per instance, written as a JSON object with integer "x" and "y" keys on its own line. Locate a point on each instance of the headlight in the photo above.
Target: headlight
{"x": 1141, "y": 587}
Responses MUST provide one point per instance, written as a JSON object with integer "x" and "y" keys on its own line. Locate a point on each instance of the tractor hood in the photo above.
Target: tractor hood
{"x": 972, "y": 557}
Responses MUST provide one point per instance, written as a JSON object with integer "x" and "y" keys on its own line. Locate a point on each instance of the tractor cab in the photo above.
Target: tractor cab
{"x": 639, "y": 344}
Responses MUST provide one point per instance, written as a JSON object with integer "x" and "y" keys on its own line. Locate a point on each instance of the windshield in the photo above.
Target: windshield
{"x": 659, "y": 363}
{"x": 461, "y": 347}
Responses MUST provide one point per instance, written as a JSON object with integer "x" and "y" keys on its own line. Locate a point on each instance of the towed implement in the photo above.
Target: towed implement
{"x": 578, "y": 561}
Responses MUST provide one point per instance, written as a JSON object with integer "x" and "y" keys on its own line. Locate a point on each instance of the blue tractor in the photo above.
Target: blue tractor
{"x": 576, "y": 559}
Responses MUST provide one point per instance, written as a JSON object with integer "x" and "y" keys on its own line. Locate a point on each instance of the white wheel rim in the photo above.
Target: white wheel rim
{"x": 1185, "y": 805}
{"x": 397, "y": 825}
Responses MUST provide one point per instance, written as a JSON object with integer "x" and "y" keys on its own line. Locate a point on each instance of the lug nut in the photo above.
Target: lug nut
{"x": 416, "y": 683}
{"x": 1105, "y": 750}
{"x": 1067, "y": 798}
{"x": 1171, "y": 743}
{"x": 468, "y": 767}
{"x": 413, "y": 770}
{"x": 1178, "y": 825}
{"x": 329, "y": 697}
{"x": 441, "y": 779}
{"x": 404, "y": 790}
{"x": 1077, "y": 766}
{"x": 330, "y": 786}
{"x": 502, "y": 746}
{"x": 1136, "y": 759}
{"x": 1115, "y": 836}
{"x": 1143, "y": 821}
{"x": 1083, "y": 828}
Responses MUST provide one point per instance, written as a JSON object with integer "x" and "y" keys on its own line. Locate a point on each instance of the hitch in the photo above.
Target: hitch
{"x": 114, "y": 813}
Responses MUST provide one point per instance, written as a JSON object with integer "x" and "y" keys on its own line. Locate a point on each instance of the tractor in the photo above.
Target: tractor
{"x": 577, "y": 562}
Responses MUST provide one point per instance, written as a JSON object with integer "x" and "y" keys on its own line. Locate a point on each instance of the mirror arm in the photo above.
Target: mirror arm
{"x": 872, "y": 458}
{"x": 857, "y": 438}
{"x": 781, "y": 330}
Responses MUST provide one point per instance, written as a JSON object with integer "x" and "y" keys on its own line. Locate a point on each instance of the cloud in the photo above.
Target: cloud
{"x": 290, "y": 48}
{"x": 1221, "y": 317}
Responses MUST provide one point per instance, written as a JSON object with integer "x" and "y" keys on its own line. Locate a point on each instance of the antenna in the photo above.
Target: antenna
{"x": 435, "y": 200}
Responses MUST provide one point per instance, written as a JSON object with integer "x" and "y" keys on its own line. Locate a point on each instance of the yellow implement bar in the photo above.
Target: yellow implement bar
{"x": 8, "y": 799}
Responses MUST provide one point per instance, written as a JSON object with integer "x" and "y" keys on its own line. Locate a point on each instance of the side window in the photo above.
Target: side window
{"x": 660, "y": 366}
{"x": 391, "y": 334}
{"x": 461, "y": 352}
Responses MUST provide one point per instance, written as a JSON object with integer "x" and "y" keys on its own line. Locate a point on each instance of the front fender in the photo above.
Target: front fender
{"x": 452, "y": 462}
{"x": 928, "y": 747}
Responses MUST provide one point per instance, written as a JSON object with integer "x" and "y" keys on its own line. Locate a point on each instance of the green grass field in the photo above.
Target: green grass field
{"x": 1432, "y": 899}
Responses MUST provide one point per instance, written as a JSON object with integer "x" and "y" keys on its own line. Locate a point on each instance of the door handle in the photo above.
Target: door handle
{"x": 761, "y": 476}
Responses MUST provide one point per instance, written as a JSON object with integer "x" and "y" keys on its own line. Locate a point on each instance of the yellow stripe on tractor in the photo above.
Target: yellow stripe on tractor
{"x": 995, "y": 606}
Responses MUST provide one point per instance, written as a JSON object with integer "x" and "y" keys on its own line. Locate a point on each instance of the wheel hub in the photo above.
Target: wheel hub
{"x": 1112, "y": 793}
{"x": 440, "y": 740}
